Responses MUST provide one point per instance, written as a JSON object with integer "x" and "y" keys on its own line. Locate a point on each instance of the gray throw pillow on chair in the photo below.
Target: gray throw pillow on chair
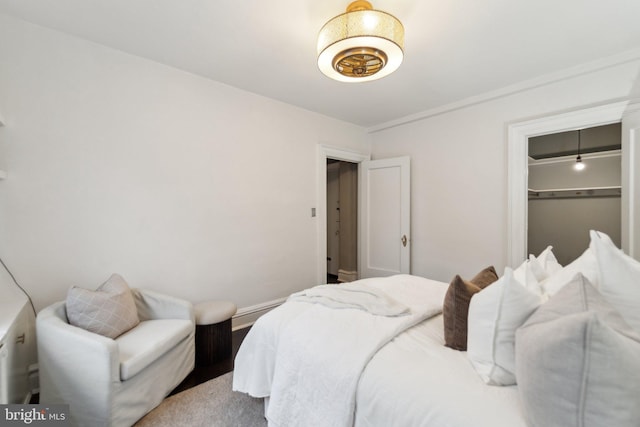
{"x": 110, "y": 310}
{"x": 578, "y": 362}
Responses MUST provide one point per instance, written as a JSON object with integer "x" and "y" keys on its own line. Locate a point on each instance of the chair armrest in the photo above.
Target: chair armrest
{"x": 71, "y": 358}
{"x": 153, "y": 305}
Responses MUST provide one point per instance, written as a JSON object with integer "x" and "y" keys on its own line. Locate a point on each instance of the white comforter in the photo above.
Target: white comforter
{"x": 308, "y": 358}
{"x": 416, "y": 381}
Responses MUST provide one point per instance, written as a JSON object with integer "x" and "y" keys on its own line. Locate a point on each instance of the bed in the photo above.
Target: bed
{"x": 323, "y": 360}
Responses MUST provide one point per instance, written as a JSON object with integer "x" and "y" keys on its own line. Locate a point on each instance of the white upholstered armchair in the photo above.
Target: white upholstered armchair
{"x": 114, "y": 382}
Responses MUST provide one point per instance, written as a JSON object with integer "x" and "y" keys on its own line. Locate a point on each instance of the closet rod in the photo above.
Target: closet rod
{"x": 573, "y": 193}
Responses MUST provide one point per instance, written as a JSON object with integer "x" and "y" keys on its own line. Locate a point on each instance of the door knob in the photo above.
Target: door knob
{"x": 404, "y": 240}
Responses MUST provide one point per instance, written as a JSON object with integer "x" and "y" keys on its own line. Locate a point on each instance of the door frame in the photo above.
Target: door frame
{"x": 325, "y": 152}
{"x": 517, "y": 169}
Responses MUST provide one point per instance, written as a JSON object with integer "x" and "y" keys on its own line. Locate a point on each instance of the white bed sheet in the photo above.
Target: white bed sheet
{"x": 416, "y": 381}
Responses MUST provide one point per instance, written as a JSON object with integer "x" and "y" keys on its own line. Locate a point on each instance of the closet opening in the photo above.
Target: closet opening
{"x": 565, "y": 202}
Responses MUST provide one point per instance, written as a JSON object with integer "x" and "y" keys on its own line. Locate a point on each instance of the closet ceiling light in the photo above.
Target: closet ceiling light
{"x": 578, "y": 165}
{"x": 360, "y": 45}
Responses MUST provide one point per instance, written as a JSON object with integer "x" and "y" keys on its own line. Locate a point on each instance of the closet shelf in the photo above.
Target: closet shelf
{"x": 572, "y": 193}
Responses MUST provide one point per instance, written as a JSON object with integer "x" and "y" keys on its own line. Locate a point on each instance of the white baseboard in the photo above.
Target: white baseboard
{"x": 247, "y": 316}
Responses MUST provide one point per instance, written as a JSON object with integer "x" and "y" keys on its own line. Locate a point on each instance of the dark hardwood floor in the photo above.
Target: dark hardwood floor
{"x": 201, "y": 374}
{"x": 332, "y": 278}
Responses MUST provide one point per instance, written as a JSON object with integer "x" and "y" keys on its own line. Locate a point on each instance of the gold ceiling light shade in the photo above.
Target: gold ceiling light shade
{"x": 360, "y": 45}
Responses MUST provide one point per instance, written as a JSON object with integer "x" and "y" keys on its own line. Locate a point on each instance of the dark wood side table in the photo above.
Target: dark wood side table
{"x": 213, "y": 331}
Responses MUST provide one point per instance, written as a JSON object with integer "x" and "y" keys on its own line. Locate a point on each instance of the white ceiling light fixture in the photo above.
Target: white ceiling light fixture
{"x": 360, "y": 45}
{"x": 578, "y": 165}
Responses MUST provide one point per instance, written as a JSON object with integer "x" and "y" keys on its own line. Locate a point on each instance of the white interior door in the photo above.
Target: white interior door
{"x": 384, "y": 217}
{"x": 631, "y": 182}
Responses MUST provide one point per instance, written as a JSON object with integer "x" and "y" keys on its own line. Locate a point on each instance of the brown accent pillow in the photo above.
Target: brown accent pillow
{"x": 456, "y": 306}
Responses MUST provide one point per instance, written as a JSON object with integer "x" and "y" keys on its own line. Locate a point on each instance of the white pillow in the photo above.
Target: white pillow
{"x": 619, "y": 278}
{"x": 585, "y": 264}
{"x": 530, "y": 273}
{"x": 533, "y": 271}
{"x": 548, "y": 261}
{"x": 577, "y": 362}
{"x": 494, "y": 315}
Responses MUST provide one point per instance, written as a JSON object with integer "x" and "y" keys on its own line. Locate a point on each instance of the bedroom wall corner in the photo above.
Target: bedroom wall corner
{"x": 181, "y": 184}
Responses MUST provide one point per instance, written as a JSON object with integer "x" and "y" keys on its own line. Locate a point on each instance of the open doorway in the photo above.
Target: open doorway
{"x": 383, "y": 226}
{"x": 574, "y": 187}
{"x": 342, "y": 225}
{"x": 628, "y": 114}
{"x": 324, "y": 153}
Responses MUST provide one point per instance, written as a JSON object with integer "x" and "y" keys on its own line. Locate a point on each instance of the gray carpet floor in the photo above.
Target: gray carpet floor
{"x": 209, "y": 404}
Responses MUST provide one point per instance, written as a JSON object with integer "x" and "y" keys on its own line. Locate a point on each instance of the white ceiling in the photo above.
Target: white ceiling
{"x": 454, "y": 49}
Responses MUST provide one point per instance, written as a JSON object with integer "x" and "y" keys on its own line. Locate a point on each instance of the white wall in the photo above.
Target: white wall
{"x": 459, "y": 168}
{"x": 565, "y": 224}
{"x": 119, "y": 164}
